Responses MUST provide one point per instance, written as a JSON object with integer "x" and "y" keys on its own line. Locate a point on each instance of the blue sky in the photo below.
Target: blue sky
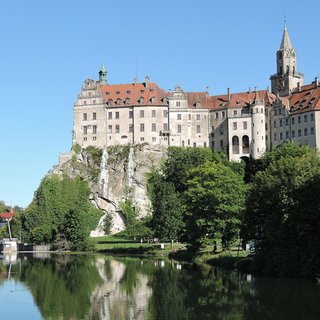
{"x": 50, "y": 47}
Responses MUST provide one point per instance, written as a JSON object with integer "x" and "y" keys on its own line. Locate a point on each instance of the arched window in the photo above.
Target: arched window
{"x": 245, "y": 144}
{"x": 235, "y": 145}
{"x": 118, "y": 102}
{"x": 127, "y": 101}
{"x": 141, "y": 100}
{"x": 110, "y": 102}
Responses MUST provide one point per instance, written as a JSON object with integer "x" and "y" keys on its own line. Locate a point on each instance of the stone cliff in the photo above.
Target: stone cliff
{"x": 115, "y": 174}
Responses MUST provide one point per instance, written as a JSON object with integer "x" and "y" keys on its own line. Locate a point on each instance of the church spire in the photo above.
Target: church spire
{"x": 285, "y": 43}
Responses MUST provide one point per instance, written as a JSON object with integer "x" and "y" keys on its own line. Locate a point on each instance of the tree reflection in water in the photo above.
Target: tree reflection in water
{"x": 101, "y": 287}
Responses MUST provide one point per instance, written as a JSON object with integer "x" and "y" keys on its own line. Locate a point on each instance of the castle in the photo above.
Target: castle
{"x": 244, "y": 124}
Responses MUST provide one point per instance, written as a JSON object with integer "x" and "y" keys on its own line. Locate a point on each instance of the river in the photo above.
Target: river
{"x": 66, "y": 286}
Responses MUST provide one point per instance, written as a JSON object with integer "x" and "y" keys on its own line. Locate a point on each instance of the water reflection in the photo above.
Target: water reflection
{"x": 101, "y": 287}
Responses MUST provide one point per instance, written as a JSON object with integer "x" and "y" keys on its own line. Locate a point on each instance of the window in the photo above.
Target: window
{"x": 117, "y": 128}
{"x": 274, "y": 124}
{"x": 177, "y": 103}
{"x": 311, "y": 117}
{"x": 189, "y": 116}
{"x": 179, "y": 116}
{"x": 94, "y": 101}
{"x": 85, "y": 139}
{"x": 110, "y": 115}
{"x": 287, "y": 122}
{"x": 299, "y": 133}
{"x": 94, "y": 129}
{"x": 141, "y": 113}
{"x": 188, "y": 142}
{"x": 223, "y": 114}
{"x": 221, "y": 130}
{"x": 305, "y": 131}
{"x": 216, "y": 115}
{"x": 141, "y": 138}
{"x": 235, "y": 112}
{"x": 198, "y": 116}
{"x": 212, "y": 129}
{"x": 85, "y": 129}
{"x": 292, "y": 121}
{"x": 154, "y": 139}
{"x": 141, "y": 100}
{"x": 312, "y": 130}
{"x": 299, "y": 119}
{"x": 141, "y": 127}
{"x": 287, "y": 134}
{"x": 117, "y": 115}
{"x": 165, "y": 127}
{"x": 130, "y": 127}
{"x": 281, "y": 136}
{"x": 293, "y": 134}
{"x": 153, "y": 127}
{"x": 305, "y": 118}
{"x": 94, "y": 138}
{"x": 84, "y": 116}
{"x": 245, "y": 125}
{"x": 274, "y": 136}
{"x": 165, "y": 113}
{"x": 221, "y": 143}
{"x": 266, "y": 127}
{"x": 127, "y": 101}
{"x": 110, "y": 102}
{"x": 234, "y": 126}
{"x": 212, "y": 144}
{"x": 118, "y": 102}
{"x": 194, "y": 144}
{"x": 109, "y": 128}
{"x": 153, "y": 113}
{"x": 94, "y": 116}
{"x": 179, "y": 128}
{"x": 198, "y": 128}
{"x": 130, "y": 114}
{"x": 280, "y": 123}
{"x": 235, "y": 145}
{"x": 84, "y": 102}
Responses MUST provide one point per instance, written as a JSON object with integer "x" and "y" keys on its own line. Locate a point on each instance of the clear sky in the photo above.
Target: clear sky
{"x": 48, "y": 48}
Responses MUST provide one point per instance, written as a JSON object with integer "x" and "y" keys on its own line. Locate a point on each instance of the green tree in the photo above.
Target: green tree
{"x": 168, "y": 209}
{"x": 216, "y": 199}
{"x": 273, "y": 215}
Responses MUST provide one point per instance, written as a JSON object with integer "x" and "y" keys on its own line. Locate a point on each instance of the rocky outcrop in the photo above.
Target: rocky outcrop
{"x": 115, "y": 174}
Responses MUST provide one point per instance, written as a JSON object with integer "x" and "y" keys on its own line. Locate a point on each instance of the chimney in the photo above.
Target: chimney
{"x": 146, "y": 82}
{"x": 316, "y": 82}
{"x": 268, "y": 88}
{"x": 298, "y": 86}
{"x": 229, "y": 94}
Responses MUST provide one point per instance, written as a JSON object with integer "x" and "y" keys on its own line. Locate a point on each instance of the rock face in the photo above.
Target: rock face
{"x": 115, "y": 174}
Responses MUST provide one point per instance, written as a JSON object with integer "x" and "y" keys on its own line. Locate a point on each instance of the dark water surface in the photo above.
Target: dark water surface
{"x": 103, "y": 287}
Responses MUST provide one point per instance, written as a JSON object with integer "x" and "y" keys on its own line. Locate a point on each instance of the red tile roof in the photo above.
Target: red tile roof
{"x": 305, "y": 99}
{"x": 151, "y": 94}
{"x": 7, "y": 215}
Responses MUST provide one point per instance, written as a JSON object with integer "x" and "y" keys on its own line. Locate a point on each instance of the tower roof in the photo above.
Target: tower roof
{"x": 102, "y": 69}
{"x": 285, "y": 43}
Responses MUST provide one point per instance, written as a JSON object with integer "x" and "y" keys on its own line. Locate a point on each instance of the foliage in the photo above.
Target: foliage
{"x": 107, "y": 224}
{"x": 96, "y": 154}
{"x": 216, "y": 199}
{"x": 76, "y": 148}
{"x": 167, "y": 220}
{"x": 282, "y": 211}
{"x": 60, "y": 203}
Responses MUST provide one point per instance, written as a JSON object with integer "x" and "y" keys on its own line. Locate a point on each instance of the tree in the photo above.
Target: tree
{"x": 215, "y": 197}
{"x": 168, "y": 209}
{"x": 273, "y": 218}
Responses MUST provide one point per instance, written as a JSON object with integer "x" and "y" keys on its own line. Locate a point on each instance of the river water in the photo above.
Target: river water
{"x": 115, "y": 288}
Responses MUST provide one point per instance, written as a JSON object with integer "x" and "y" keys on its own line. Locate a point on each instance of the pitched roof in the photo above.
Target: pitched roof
{"x": 305, "y": 99}
{"x": 150, "y": 93}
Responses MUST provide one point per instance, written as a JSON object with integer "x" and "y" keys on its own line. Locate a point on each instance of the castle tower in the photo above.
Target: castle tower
{"x": 258, "y": 146}
{"x": 287, "y": 76}
{"x": 103, "y": 75}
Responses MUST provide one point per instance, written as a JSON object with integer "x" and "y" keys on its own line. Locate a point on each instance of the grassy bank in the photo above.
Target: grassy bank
{"x": 117, "y": 245}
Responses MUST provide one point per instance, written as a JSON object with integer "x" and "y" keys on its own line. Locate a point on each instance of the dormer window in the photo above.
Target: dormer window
{"x": 141, "y": 100}
{"x": 127, "y": 101}
{"x": 128, "y": 92}
{"x": 118, "y": 92}
{"x": 107, "y": 93}
{"x": 153, "y": 100}
{"x": 118, "y": 102}
{"x": 177, "y": 103}
{"x": 142, "y": 90}
{"x": 110, "y": 102}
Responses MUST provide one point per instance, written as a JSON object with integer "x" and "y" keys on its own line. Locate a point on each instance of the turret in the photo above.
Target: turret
{"x": 258, "y": 127}
{"x": 103, "y": 75}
